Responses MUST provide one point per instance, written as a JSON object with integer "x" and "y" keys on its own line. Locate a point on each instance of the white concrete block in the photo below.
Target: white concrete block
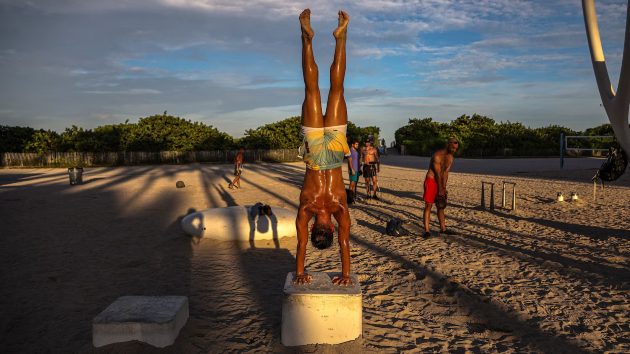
{"x": 155, "y": 320}
{"x": 321, "y": 312}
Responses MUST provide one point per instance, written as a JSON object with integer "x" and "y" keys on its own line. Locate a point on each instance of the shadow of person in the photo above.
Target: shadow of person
{"x": 259, "y": 222}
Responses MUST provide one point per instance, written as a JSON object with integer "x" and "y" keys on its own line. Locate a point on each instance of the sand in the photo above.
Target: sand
{"x": 548, "y": 277}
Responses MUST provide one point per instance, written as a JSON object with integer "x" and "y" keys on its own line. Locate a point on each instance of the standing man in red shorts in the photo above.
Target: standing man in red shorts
{"x": 435, "y": 184}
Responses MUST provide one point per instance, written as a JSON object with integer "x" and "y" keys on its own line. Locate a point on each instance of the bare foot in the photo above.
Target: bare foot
{"x": 305, "y": 23}
{"x": 302, "y": 279}
{"x": 342, "y": 281}
{"x": 342, "y": 28}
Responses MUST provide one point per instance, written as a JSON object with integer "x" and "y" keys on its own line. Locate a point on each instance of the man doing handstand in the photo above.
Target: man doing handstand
{"x": 323, "y": 192}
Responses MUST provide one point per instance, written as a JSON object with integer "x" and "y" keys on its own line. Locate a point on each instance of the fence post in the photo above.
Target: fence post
{"x": 561, "y": 150}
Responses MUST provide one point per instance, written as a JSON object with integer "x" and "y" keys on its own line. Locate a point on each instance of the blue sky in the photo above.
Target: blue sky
{"x": 235, "y": 64}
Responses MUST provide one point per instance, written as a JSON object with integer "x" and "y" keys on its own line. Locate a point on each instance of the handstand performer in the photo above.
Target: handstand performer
{"x": 323, "y": 193}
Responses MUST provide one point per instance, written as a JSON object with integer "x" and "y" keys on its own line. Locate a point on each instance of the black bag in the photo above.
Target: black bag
{"x": 394, "y": 227}
{"x": 614, "y": 166}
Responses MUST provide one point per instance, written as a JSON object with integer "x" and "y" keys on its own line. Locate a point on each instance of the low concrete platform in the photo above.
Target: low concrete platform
{"x": 321, "y": 312}
{"x": 155, "y": 320}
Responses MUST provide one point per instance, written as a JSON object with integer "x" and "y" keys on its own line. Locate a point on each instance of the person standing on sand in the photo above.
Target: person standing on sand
{"x": 324, "y": 192}
{"x": 354, "y": 168}
{"x": 435, "y": 185}
{"x": 371, "y": 166}
{"x": 238, "y": 169}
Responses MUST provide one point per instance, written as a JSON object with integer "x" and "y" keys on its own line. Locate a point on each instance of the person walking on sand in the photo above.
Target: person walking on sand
{"x": 354, "y": 168}
{"x": 371, "y": 167}
{"x": 325, "y": 145}
{"x": 238, "y": 169}
{"x": 435, "y": 185}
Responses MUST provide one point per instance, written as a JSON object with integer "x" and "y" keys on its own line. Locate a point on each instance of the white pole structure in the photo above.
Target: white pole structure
{"x": 616, "y": 104}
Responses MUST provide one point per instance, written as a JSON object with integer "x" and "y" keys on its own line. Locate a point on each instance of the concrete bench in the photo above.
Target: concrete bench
{"x": 321, "y": 312}
{"x": 155, "y": 320}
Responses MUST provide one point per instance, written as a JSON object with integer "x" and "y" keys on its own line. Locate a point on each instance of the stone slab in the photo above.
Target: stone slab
{"x": 321, "y": 312}
{"x": 155, "y": 320}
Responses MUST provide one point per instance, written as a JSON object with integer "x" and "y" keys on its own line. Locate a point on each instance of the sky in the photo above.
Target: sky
{"x": 236, "y": 64}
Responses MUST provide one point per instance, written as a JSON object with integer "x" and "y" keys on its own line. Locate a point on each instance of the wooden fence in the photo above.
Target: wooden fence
{"x": 88, "y": 159}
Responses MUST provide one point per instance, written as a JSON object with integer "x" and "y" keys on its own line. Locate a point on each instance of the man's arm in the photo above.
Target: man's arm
{"x": 350, "y": 165}
{"x": 343, "y": 220}
{"x": 438, "y": 171}
{"x": 378, "y": 160}
{"x": 301, "y": 224}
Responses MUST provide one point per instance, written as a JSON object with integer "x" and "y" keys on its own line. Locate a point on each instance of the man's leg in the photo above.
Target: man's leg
{"x": 427, "y": 218}
{"x": 336, "y": 112}
{"x": 312, "y": 105}
{"x": 374, "y": 185}
{"x": 442, "y": 219}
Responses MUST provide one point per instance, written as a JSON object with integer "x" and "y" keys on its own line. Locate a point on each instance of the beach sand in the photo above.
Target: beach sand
{"x": 548, "y": 277}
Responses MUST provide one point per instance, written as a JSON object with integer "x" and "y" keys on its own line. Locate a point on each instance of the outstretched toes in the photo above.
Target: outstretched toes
{"x": 305, "y": 23}
{"x": 342, "y": 27}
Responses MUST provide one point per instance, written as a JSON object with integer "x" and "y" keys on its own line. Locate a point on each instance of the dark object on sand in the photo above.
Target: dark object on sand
{"x": 394, "y": 227}
{"x": 76, "y": 175}
{"x": 614, "y": 166}
{"x": 441, "y": 201}
{"x": 180, "y": 184}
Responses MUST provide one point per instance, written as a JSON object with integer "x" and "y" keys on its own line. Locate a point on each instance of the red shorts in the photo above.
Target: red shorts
{"x": 430, "y": 190}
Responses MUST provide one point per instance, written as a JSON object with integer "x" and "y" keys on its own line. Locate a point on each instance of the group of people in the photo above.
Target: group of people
{"x": 363, "y": 161}
{"x": 323, "y": 195}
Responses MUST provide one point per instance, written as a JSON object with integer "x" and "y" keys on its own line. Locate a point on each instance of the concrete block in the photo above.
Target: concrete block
{"x": 155, "y": 320}
{"x": 321, "y": 312}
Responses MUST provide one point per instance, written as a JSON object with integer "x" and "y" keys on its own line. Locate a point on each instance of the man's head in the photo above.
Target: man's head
{"x": 355, "y": 144}
{"x": 452, "y": 144}
{"x": 368, "y": 143}
{"x": 322, "y": 235}
{"x": 241, "y": 149}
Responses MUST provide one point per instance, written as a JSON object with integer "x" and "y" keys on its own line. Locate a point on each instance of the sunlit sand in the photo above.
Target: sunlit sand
{"x": 550, "y": 277}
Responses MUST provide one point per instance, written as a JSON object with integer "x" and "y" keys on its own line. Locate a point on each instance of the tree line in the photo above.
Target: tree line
{"x": 482, "y": 136}
{"x": 160, "y": 132}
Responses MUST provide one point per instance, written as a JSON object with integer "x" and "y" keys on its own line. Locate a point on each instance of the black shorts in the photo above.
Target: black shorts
{"x": 369, "y": 170}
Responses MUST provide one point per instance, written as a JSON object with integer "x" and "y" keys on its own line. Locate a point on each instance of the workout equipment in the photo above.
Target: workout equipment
{"x": 240, "y": 223}
{"x": 614, "y": 166}
{"x": 564, "y": 144}
{"x": 513, "y": 184}
{"x": 615, "y": 103}
{"x": 441, "y": 201}
{"x": 483, "y": 194}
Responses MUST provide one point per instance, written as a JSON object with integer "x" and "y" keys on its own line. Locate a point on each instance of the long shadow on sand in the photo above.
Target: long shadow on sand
{"x": 482, "y": 311}
{"x": 87, "y": 248}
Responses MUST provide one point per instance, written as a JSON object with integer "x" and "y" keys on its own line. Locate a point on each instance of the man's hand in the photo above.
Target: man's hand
{"x": 302, "y": 279}
{"x": 352, "y": 171}
{"x": 441, "y": 200}
{"x": 342, "y": 281}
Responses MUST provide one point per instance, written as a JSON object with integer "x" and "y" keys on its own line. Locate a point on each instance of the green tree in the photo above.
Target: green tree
{"x": 43, "y": 141}
{"x": 14, "y": 139}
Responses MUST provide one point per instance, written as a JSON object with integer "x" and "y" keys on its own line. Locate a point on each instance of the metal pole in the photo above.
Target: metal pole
{"x": 491, "y": 196}
{"x": 561, "y": 150}
{"x": 503, "y": 199}
{"x": 483, "y": 201}
{"x": 514, "y": 198}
